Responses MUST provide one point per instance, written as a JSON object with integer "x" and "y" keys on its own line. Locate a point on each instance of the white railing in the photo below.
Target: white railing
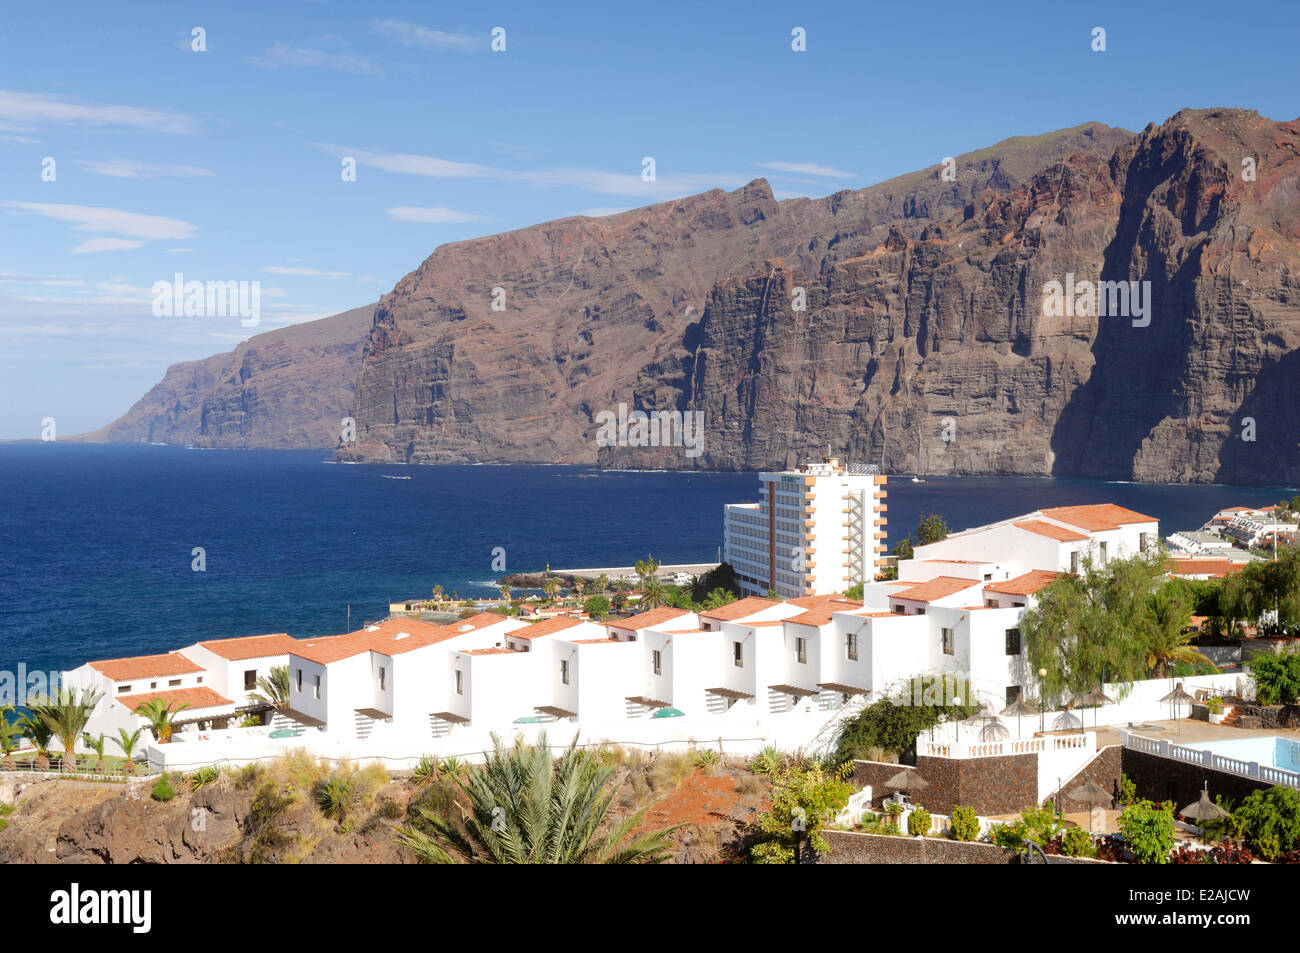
{"x": 1207, "y": 758}
{"x": 997, "y": 749}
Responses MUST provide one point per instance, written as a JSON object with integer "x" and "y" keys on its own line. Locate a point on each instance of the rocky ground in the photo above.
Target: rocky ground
{"x": 271, "y": 815}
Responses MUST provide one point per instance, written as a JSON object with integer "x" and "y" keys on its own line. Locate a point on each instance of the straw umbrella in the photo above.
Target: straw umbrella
{"x": 1094, "y": 699}
{"x": 993, "y": 730}
{"x": 1178, "y": 697}
{"x": 1091, "y": 793}
{"x": 1067, "y": 721}
{"x": 908, "y": 781}
{"x": 1018, "y": 708}
{"x": 1204, "y": 809}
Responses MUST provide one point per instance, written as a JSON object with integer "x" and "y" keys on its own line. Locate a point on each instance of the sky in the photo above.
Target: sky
{"x": 226, "y": 163}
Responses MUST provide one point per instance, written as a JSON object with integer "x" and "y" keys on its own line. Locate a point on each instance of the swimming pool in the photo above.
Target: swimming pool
{"x": 1266, "y": 749}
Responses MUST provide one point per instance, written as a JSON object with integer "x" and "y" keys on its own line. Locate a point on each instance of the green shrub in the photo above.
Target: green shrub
{"x": 204, "y": 776}
{"x": 1076, "y": 842}
{"x": 1127, "y": 790}
{"x": 1215, "y": 705}
{"x": 162, "y": 790}
{"x": 426, "y": 770}
{"x": 706, "y": 758}
{"x": 1277, "y": 677}
{"x": 1149, "y": 830}
{"x": 336, "y": 798}
{"x": 965, "y": 824}
{"x": 1270, "y": 821}
{"x": 768, "y": 761}
{"x": 918, "y": 822}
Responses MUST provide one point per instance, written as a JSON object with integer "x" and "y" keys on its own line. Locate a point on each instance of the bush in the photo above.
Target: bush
{"x": 426, "y": 770}
{"x": 918, "y": 822}
{"x": 1277, "y": 677}
{"x": 1127, "y": 790}
{"x": 1149, "y": 830}
{"x": 336, "y": 798}
{"x": 162, "y": 790}
{"x": 965, "y": 824}
{"x": 1270, "y": 821}
{"x": 1076, "y": 842}
{"x": 596, "y": 606}
{"x": 1215, "y": 705}
{"x": 204, "y": 776}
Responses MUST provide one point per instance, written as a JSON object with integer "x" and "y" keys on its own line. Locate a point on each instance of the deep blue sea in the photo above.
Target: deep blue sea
{"x": 96, "y": 541}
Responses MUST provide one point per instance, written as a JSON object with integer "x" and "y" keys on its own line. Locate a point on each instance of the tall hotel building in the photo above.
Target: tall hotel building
{"x": 818, "y": 529}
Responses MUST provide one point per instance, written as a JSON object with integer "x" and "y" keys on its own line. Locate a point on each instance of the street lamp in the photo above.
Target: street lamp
{"x": 1042, "y": 695}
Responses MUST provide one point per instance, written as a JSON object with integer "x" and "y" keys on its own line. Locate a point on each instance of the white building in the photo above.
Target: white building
{"x": 818, "y": 529}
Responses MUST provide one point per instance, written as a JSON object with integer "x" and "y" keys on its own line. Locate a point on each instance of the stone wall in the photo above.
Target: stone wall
{"x": 1161, "y": 779}
{"x": 848, "y": 847}
{"x": 1105, "y": 769}
{"x": 1003, "y": 785}
{"x": 1267, "y": 716}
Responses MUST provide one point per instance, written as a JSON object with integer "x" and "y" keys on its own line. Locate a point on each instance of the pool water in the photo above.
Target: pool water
{"x": 1266, "y": 749}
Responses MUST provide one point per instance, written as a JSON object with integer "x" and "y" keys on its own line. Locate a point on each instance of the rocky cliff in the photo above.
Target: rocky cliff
{"x": 903, "y": 324}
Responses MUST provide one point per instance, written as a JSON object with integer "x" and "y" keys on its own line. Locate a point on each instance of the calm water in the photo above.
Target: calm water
{"x": 96, "y": 541}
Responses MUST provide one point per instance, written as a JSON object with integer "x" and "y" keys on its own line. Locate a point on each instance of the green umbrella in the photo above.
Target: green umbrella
{"x": 528, "y": 720}
{"x": 668, "y": 713}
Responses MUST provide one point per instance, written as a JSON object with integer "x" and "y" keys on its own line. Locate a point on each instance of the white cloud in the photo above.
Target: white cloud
{"x": 296, "y": 57}
{"x": 24, "y": 110}
{"x": 409, "y": 213}
{"x": 130, "y": 169}
{"x": 414, "y": 35}
{"x": 807, "y": 168}
{"x": 128, "y": 230}
{"x": 304, "y": 272}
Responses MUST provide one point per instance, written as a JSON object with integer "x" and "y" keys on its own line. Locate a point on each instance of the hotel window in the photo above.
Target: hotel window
{"x": 900, "y": 609}
{"x": 988, "y": 577}
{"x": 801, "y": 651}
{"x": 124, "y": 689}
{"x": 1013, "y": 641}
{"x": 1074, "y": 562}
{"x": 851, "y": 645}
{"x": 1102, "y": 547}
{"x": 656, "y": 662}
{"x": 1013, "y": 693}
{"x": 153, "y": 685}
{"x": 1142, "y": 542}
{"x": 949, "y": 642}
{"x": 564, "y": 671}
{"x": 738, "y": 654}
{"x": 920, "y": 610}
{"x": 298, "y": 672}
{"x": 460, "y": 678}
{"x": 318, "y": 686}
{"x": 199, "y": 680}
{"x": 250, "y": 680}
{"x": 173, "y": 682}
{"x": 383, "y": 678}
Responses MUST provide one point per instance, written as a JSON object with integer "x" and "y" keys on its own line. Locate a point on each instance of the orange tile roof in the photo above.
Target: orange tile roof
{"x": 937, "y": 588}
{"x": 495, "y": 650}
{"x": 1025, "y": 584}
{"x": 1096, "y": 516}
{"x": 251, "y": 646}
{"x": 741, "y": 607}
{"x": 546, "y": 627}
{"x": 146, "y": 666}
{"x": 601, "y": 642}
{"x": 1050, "y": 530}
{"x": 201, "y": 697}
{"x": 387, "y": 638}
{"x": 1204, "y": 567}
{"x": 813, "y": 602}
{"x": 648, "y": 619}
{"x": 964, "y": 562}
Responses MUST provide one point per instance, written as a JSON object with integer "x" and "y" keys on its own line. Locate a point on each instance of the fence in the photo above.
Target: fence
{"x": 85, "y": 768}
{"x": 1207, "y": 758}
{"x": 1011, "y": 746}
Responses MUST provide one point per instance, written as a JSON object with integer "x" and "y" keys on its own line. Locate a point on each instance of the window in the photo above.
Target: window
{"x": 738, "y": 654}
{"x": 1102, "y": 548}
{"x": 383, "y": 678}
{"x": 124, "y": 689}
{"x": 900, "y": 609}
{"x": 250, "y": 679}
{"x": 949, "y": 642}
{"x": 988, "y": 577}
{"x": 199, "y": 680}
{"x": 298, "y": 673}
{"x": 801, "y": 651}
{"x": 1074, "y": 562}
{"x": 460, "y": 678}
{"x": 1013, "y": 693}
{"x": 153, "y": 685}
{"x": 920, "y": 610}
{"x": 1142, "y": 542}
{"x": 1013, "y": 641}
{"x": 564, "y": 671}
{"x": 172, "y": 683}
{"x": 318, "y": 686}
{"x": 656, "y": 662}
{"x": 990, "y": 603}
{"x": 851, "y": 645}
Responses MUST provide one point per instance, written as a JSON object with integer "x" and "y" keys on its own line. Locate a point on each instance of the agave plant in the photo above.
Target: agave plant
{"x": 273, "y": 689}
{"x": 66, "y": 713}
{"x": 204, "y": 776}
{"x": 161, "y": 716}
{"x": 127, "y": 742}
{"x": 527, "y": 807}
{"x": 426, "y": 770}
{"x": 40, "y": 734}
{"x": 336, "y": 798}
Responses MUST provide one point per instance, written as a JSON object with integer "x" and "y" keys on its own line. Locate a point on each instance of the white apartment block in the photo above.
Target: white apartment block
{"x": 818, "y": 529}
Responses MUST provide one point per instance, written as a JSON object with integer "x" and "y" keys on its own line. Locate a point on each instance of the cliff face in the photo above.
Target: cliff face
{"x": 282, "y": 390}
{"x": 923, "y": 342}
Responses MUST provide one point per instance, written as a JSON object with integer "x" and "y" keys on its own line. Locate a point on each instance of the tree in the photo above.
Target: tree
{"x": 618, "y": 600}
{"x": 1168, "y": 642}
{"x": 505, "y": 594}
{"x": 653, "y": 594}
{"x": 39, "y": 733}
{"x": 903, "y": 548}
{"x": 11, "y": 734}
{"x": 161, "y": 715}
{"x": 579, "y": 584}
{"x": 601, "y": 584}
{"x": 1149, "y": 830}
{"x": 1270, "y": 821}
{"x": 66, "y": 713}
{"x": 596, "y": 606}
{"x": 645, "y": 568}
{"x": 854, "y": 591}
{"x": 127, "y": 743}
{"x": 931, "y": 529}
{"x": 804, "y": 800}
{"x": 526, "y": 807}
{"x": 96, "y": 744}
{"x": 892, "y": 724}
{"x": 550, "y": 585}
{"x": 1277, "y": 678}
{"x": 273, "y": 689}
{"x": 718, "y": 598}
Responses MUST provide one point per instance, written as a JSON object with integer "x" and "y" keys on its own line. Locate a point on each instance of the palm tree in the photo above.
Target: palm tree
{"x": 273, "y": 689}
{"x": 579, "y": 584}
{"x": 1167, "y": 644}
{"x": 653, "y": 593}
{"x": 551, "y": 586}
{"x": 437, "y": 594}
{"x": 526, "y": 807}
{"x": 66, "y": 713}
{"x": 40, "y": 734}
{"x": 127, "y": 743}
{"x": 601, "y": 584}
{"x": 96, "y": 745}
{"x": 11, "y": 733}
{"x": 618, "y": 600}
{"x": 161, "y": 716}
{"x": 505, "y": 595}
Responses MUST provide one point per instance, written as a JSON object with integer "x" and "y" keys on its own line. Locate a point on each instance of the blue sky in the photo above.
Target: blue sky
{"x": 225, "y": 164}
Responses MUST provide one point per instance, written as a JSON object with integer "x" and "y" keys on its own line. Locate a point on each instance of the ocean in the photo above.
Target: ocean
{"x": 97, "y": 542}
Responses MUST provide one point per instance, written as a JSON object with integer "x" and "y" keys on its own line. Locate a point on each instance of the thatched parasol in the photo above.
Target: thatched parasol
{"x": 1204, "y": 809}
{"x": 1090, "y": 793}
{"x": 994, "y": 730}
{"x": 1067, "y": 721}
{"x": 1094, "y": 699}
{"x": 1178, "y": 697}
{"x": 907, "y": 781}
{"x": 1018, "y": 708}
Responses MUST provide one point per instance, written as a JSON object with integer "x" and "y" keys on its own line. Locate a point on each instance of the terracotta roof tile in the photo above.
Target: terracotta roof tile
{"x": 146, "y": 666}
{"x": 1050, "y": 530}
{"x": 1095, "y": 517}
{"x": 741, "y": 607}
{"x": 546, "y": 627}
{"x": 201, "y": 697}
{"x": 648, "y": 619}
{"x": 937, "y": 588}
{"x": 390, "y": 637}
{"x": 1025, "y": 584}
{"x": 251, "y": 646}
